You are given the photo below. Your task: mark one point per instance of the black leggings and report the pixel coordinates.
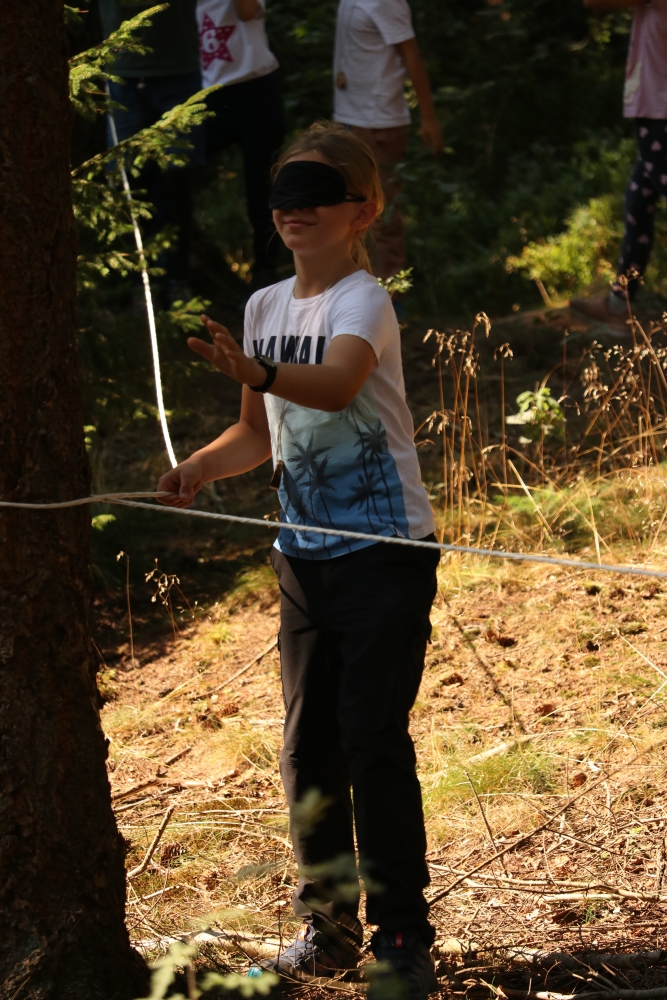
(647, 184)
(251, 115)
(353, 637)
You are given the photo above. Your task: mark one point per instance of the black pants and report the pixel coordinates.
(251, 115)
(143, 103)
(353, 637)
(647, 184)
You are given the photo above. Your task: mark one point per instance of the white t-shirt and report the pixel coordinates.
(357, 469)
(231, 50)
(368, 65)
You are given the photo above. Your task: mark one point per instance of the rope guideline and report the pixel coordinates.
(149, 303)
(133, 500)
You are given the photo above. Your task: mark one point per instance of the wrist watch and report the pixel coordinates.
(271, 369)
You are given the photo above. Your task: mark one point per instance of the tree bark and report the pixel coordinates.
(62, 880)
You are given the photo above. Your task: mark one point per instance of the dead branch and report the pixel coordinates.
(654, 994)
(600, 891)
(141, 868)
(486, 822)
(135, 788)
(252, 663)
(593, 960)
(177, 756)
(502, 748)
(543, 826)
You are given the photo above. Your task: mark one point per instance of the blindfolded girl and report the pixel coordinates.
(323, 395)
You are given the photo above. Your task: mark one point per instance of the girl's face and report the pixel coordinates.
(309, 231)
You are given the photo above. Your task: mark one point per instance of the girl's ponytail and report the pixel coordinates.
(353, 157)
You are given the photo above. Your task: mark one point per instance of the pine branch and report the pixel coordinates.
(88, 75)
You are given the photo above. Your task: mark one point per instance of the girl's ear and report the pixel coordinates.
(366, 214)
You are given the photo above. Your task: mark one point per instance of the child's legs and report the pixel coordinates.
(251, 114)
(312, 756)
(261, 140)
(648, 182)
(381, 599)
(388, 146)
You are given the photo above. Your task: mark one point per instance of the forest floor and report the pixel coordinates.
(540, 730)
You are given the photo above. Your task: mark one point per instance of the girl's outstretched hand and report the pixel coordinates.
(226, 354)
(182, 483)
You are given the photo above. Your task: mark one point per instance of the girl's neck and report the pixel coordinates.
(315, 275)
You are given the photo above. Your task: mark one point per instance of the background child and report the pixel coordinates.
(248, 108)
(645, 100)
(148, 86)
(376, 50)
(354, 614)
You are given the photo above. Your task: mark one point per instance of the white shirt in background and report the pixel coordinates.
(231, 50)
(369, 74)
(357, 469)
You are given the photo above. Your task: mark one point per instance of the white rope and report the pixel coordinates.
(129, 500)
(149, 302)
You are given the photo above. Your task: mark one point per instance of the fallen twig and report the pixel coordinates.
(152, 895)
(599, 891)
(626, 960)
(543, 826)
(135, 788)
(177, 756)
(654, 994)
(141, 868)
(502, 748)
(247, 667)
(486, 822)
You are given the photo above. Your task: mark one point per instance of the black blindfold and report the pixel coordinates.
(309, 184)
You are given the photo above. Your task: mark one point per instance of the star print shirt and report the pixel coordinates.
(356, 469)
(232, 50)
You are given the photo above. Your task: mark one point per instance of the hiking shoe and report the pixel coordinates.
(322, 949)
(404, 970)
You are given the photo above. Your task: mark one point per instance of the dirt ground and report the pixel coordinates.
(541, 712)
(540, 729)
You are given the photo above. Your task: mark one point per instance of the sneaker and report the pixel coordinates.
(405, 969)
(610, 309)
(323, 949)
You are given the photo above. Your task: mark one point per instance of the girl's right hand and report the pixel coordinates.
(182, 483)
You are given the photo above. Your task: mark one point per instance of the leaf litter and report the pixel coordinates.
(543, 779)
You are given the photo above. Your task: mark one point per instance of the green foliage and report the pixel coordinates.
(101, 207)
(88, 77)
(539, 415)
(247, 986)
(181, 955)
(399, 283)
(100, 521)
(582, 254)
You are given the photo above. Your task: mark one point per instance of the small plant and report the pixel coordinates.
(540, 416)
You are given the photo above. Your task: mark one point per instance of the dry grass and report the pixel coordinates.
(558, 672)
(584, 718)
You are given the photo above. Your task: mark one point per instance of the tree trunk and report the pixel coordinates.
(62, 882)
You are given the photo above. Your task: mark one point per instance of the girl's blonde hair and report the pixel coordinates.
(353, 157)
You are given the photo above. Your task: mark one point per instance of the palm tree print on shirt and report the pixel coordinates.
(339, 473)
(363, 494)
(372, 443)
(310, 475)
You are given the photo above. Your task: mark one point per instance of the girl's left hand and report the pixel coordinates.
(226, 354)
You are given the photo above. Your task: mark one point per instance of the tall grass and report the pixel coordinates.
(584, 466)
